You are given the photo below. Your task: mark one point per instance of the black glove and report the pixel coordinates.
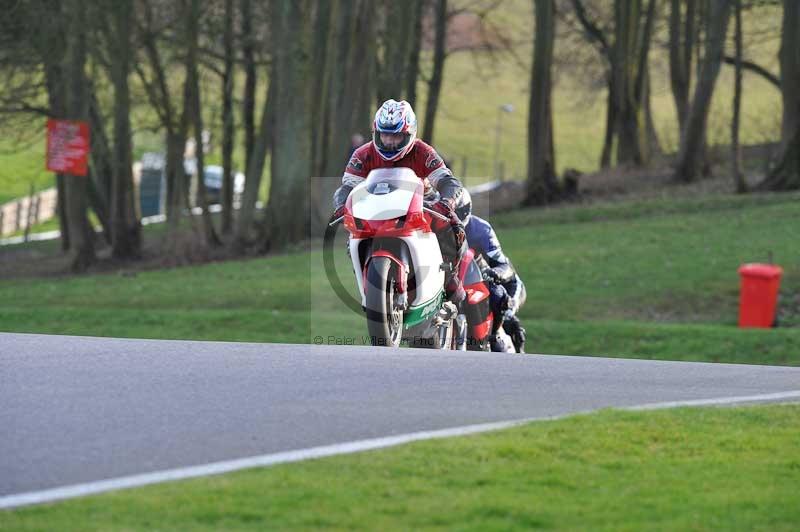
(489, 274)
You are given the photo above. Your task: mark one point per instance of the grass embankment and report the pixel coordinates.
(686, 469)
(22, 165)
(653, 279)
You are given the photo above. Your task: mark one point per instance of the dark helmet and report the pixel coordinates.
(463, 206)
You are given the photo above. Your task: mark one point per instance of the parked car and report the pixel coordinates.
(213, 180)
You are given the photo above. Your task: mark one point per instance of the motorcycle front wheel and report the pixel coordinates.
(384, 321)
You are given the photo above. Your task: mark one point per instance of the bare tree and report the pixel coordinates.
(631, 80)
(228, 137)
(125, 228)
(690, 156)
(624, 43)
(542, 186)
(736, 152)
(435, 84)
(682, 19)
(193, 82)
(257, 142)
(415, 43)
(77, 108)
(343, 92)
(173, 112)
(786, 175)
(249, 91)
(291, 150)
(255, 169)
(100, 167)
(396, 39)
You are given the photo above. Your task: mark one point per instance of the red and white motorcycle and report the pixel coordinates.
(399, 268)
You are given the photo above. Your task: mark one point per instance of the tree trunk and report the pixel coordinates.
(255, 170)
(542, 182)
(398, 20)
(690, 156)
(55, 83)
(346, 100)
(174, 120)
(322, 73)
(412, 72)
(125, 229)
(435, 84)
(101, 168)
(99, 205)
(361, 70)
(61, 211)
(789, 56)
(631, 49)
(786, 176)
(227, 121)
(80, 232)
(653, 144)
(210, 234)
(338, 109)
(291, 158)
(611, 120)
(736, 153)
(249, 96)
(175, 174)
(681, 46)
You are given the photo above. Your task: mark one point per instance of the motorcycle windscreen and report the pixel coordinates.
(387, 193)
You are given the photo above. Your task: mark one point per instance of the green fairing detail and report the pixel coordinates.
(420, 313)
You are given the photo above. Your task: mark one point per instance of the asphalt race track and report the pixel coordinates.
(75, 410)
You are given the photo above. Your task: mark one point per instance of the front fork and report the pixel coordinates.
(395, 251)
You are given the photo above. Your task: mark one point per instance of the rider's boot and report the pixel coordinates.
(453, 246)
(454, 290)
(516, 331)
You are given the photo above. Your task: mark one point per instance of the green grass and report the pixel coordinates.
(22, 164)
(647, 279)
(686, 469)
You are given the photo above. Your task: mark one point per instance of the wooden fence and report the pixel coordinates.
(21, 214)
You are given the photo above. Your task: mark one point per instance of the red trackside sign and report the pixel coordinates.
(67, 147)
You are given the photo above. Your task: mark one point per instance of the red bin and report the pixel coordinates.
(759, 294)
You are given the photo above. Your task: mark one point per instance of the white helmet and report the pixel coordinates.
(395, 117)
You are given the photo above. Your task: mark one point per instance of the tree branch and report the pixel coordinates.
(757, 69)
(592, 30)
(25, 108)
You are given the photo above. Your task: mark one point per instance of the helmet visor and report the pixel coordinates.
(390, 143)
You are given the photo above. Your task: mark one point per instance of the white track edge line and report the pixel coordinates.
(228, 466)
(719, 401)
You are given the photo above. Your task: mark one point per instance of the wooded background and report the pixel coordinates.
(295, 79)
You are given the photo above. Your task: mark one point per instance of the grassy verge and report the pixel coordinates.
(631, 280)
(22, 164)
(697, 469)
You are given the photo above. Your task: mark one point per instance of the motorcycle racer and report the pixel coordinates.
(507, 292)
(395, 144)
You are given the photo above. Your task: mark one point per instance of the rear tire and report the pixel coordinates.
(384, 322)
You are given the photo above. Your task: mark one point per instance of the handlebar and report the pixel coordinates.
(436, 214)
(432, 212)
